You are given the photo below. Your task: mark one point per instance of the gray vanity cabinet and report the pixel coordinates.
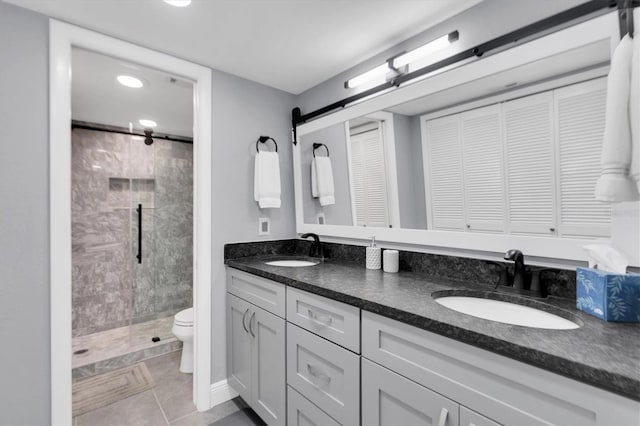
(388, 399)
(256, 345)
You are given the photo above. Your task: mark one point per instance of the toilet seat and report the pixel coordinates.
(184, 318)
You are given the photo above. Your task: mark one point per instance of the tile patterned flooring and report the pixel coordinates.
(168, 403)
(119, 347)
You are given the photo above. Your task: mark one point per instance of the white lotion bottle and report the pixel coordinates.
(374, 255)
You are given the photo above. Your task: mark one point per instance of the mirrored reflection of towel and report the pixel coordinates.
(322, 181)
(266, 184)
(615, 185)
(634, 108)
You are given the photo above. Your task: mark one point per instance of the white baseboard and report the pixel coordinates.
(221, 392)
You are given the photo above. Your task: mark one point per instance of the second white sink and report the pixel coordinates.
(291, 263)
(506, 312)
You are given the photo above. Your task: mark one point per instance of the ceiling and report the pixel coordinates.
(97, 97)
(291, 45)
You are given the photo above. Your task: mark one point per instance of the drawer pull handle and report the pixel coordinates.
(253, 315)
(317, 374)
(443, 417)
(244, 317)
(324, 320)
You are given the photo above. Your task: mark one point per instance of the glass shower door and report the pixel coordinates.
(162, 236)
(143, 242)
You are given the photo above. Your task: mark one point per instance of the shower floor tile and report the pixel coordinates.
(122, 346)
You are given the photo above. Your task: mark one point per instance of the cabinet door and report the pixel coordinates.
(530, 164)
(483, 165)
(471, 418)
(390, 399)
(580, 111)
(444, 184)
(239, 346)
(269, 384)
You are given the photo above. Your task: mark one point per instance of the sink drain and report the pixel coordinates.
(81, 351)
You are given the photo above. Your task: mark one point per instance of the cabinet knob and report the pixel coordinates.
(468, 226)
(552, 229)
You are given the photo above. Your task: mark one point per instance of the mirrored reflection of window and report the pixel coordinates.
(367, 173)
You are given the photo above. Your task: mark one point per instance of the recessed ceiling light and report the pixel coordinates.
(129, 81)
(147, 123)
(178, 3)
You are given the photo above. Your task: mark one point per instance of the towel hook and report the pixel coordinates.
(625, 16)
(264, 139)
(318, 145)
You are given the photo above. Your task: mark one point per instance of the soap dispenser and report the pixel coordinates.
(374, 255)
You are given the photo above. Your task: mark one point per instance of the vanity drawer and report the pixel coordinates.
(327, 318)
(301, 412)
(266, 294)
(325, 373)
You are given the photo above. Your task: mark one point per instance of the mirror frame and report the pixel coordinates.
(562, 251)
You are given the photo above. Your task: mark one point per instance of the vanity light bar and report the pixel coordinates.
(377, 75)
(381, 73)
(425, 50)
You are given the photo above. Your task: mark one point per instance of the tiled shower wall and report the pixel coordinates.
(111, 174)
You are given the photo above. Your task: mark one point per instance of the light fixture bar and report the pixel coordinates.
(425, 50)
(375, 75)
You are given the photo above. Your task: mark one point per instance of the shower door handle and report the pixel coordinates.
(139, 256)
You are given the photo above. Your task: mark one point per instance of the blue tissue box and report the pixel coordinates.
(608, 296)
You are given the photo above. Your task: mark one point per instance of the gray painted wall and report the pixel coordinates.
(481, 23)
(335, 139)
(410, 209)
(420, 213)
(24, 220)
(242, 111)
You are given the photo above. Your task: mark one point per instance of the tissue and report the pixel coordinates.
(606, 258)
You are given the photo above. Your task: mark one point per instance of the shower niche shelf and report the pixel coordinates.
(126, 193)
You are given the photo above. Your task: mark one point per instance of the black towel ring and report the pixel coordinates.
(319, 145)
(264, 139)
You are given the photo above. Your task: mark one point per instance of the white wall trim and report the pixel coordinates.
(61, 39)
(221, 392)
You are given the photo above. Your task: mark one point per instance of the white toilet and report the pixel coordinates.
(183, 330)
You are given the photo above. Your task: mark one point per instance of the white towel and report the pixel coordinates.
(266, 184)
(634, 110)
(615, 185)
(322, 181)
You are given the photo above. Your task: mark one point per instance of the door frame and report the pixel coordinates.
(62, 37)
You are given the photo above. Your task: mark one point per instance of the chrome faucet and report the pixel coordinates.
(316, 249)
(518, 273)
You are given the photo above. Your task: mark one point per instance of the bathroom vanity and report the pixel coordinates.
(366, 347)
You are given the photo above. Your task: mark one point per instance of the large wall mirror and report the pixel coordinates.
(498, 153)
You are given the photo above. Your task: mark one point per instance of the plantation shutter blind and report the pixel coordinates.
(580, 115)
(530, 164)
(482, 154)
(445, 209)
(369, 178)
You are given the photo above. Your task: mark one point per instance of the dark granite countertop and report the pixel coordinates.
(599, 353)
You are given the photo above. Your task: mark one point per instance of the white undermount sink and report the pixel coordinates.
(506, 312)
(291, 263)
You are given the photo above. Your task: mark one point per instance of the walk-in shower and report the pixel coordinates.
(132, 214)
